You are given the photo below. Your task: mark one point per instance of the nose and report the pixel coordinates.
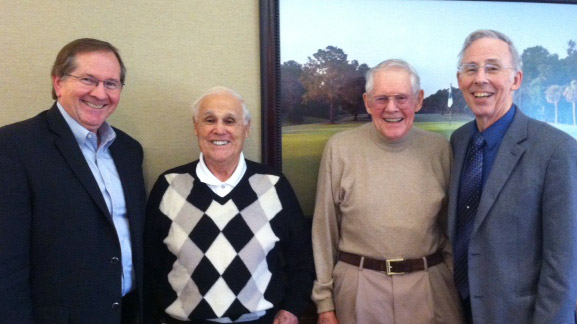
(391, 106)
(99, 91)
(481, 76)
(219, 127)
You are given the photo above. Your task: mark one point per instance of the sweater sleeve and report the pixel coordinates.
(325, 234)
(297, 252)
(152, 254)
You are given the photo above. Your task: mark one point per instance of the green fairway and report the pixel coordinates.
(302, 148)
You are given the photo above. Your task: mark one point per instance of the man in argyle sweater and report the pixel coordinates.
(226, 240)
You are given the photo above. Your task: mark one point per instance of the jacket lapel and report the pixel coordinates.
(507, 158)
(66, 143)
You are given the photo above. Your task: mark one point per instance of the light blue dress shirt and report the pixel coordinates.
(106, 175)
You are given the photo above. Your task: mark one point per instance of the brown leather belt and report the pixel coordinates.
(393, 266)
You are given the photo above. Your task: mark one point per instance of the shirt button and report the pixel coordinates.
(114, 260)
(115, 306)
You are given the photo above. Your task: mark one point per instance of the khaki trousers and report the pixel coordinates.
(364, 296)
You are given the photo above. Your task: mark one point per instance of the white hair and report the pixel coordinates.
(393, 64)
(221, 89)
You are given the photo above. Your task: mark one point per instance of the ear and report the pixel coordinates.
(420, 98)
(195, 125)
(247, 130)
(366, 100)
(57, 84)
(517, 80)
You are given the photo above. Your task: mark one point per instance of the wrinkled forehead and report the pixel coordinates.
(487, 50)
(221, 104)
(392, 81)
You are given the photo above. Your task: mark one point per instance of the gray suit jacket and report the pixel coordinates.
(523, 248)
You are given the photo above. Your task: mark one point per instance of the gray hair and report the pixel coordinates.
(66, 63)
(488, 33)
(389, 65)
(216, 90)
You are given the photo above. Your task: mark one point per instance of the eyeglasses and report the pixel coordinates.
(93, 82)
(471, 69)
(399, 99)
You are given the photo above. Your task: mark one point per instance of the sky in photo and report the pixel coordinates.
(426, 33)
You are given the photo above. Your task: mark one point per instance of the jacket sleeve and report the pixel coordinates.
(15, 227)
(557, 286)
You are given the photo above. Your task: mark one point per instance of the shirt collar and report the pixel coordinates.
(106, 133)
(206, 176)
(495, 133)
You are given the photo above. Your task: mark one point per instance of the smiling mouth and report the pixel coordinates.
(91, 105)
(220, 143)
(393, 120)
(481, 94)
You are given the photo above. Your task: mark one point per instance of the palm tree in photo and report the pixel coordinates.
(570, 95)
(553, 95)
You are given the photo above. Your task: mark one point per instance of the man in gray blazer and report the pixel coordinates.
(513, 198)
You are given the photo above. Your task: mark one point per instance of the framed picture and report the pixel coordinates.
(315, 53)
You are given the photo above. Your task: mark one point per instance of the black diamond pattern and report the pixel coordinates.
(204, 233)
(236, 310)
(203, 310)
(236, 275)
(205, 275)
(237, 232)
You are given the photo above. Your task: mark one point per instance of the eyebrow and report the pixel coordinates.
(211, 113)
(88, 75)
(486, 61)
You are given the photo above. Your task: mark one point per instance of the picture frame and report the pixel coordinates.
(272, 43)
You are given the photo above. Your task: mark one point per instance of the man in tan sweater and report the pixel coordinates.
(381, 196)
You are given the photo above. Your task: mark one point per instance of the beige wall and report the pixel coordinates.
(173, 50)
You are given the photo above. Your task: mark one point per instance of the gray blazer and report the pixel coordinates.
(523, 248)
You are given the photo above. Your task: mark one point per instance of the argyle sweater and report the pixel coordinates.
(227, 258)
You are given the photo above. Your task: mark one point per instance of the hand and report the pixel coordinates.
(285, 317)
(328, 318)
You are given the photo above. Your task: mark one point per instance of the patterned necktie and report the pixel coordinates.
(469, 196)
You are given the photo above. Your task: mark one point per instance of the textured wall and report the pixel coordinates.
(173, 50)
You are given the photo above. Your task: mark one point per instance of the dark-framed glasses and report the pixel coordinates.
(471, 69)
(94, 82)
(399, 99)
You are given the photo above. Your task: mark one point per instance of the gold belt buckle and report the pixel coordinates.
(389, 266)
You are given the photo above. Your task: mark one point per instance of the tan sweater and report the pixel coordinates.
(381, 200)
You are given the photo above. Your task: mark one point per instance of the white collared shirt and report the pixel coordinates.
(218, 187)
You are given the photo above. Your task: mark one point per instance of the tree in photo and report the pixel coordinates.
(570, 94)
(325, 76)
(352, 92)
(292, 91)
(553, 95)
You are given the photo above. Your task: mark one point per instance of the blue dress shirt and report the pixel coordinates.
(493, 138)
(106, 175)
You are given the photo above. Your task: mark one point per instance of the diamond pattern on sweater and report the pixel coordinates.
(220, 297)
(221, 252)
